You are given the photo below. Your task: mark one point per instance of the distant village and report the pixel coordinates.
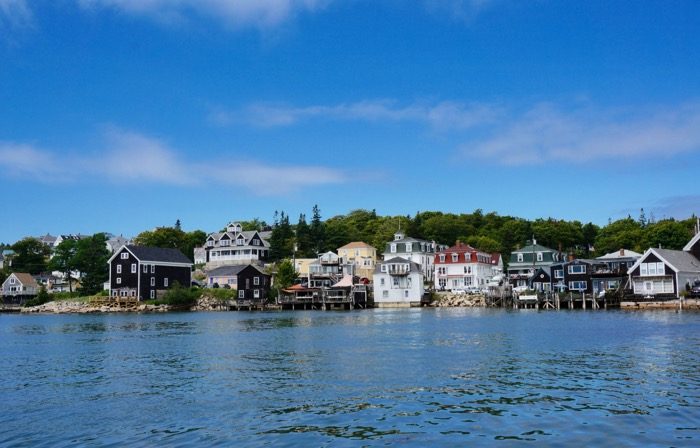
(406, 272)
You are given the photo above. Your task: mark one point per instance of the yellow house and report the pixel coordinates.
(301, 266)
(362, 256)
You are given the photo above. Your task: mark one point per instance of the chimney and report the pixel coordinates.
(622, 252)
(572, 257)
(459, 243)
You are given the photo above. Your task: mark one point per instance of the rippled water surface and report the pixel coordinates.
(422, 377)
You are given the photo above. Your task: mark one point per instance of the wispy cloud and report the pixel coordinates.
(234, 13)
(14, 15)
(679, 207)
(130, 157)
(443, 115)
(547, 133)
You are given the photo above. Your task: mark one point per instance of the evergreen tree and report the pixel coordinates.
(91, 260)
(642, 218)
(285, 274)
(282, 239)
(303, 238)
(178, 225)
(317, 231)
(31, 256)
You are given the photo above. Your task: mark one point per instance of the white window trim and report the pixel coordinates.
(241, 294)
(119, 269)
(165, 282)
(125, 255)
(256, 280)
(134, 268)
(153, 281)
(119, 280)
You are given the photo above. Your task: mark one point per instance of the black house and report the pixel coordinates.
(250, 282)
(138, 271)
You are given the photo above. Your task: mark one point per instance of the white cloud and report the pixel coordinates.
(14, 14)
(442, 115)
(130, 157)
(236, 13)
(547, 133)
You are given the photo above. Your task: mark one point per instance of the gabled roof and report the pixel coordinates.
(231, 270)
(692, 242)
(622, 253)
(357, 245)
(534, 248)
(154, 254)
(677, 260)
(415, 267)
(24, 278)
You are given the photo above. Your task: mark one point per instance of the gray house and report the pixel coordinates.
(18, 287)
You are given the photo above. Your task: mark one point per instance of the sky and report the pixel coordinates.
(124, 115)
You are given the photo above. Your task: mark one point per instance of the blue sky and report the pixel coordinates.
(123, 115)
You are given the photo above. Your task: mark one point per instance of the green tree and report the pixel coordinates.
(64, 259)
(483, 243)
(286, 274)
(282, 239)
(303, 238)
(622, 234)
(31, 256)
(317, 231)
(668, 234)
(172, 237)
(91, 260)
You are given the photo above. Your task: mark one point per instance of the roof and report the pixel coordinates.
(678, 260)
(226, 271)
(25, 279)
(692, 242)
(682, 261)
(534, 248)
(231, 270)
(415, 267)
(345, 282)
(622, 253)
(356, 245)
(158, 254)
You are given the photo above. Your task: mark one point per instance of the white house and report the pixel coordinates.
(664, 272)
(18, 286)
(462, 266)
(398, 282)
(418, 251)
(235, 246)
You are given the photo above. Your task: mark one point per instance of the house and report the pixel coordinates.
(235, 246)
(462, 266)
(302, 267)
(542, 280)
(361, 255)
(415, 250)
(18, 287)
(526, 261)
(327, 270)
(250, 282)
(144, 272)
(48, 240)
(398, 282)
(665, 272)
(200, 255)
(115, 242)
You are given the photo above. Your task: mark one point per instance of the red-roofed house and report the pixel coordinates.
(461, 266)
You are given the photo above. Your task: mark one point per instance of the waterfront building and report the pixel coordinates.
(235, 246)
(146, 272)
(327, 270)
(664, 273)
(526, 261)
(18, 287)
(462, 266)
(418, 251)
(362, 256)
(251, 283)
(398, 282)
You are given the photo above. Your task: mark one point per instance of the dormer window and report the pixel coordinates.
(455, 257)
(409, 247)
(210, 243)
(539, 256)
(239, 242)
(442, 258)
(520, 258)
(392, 248)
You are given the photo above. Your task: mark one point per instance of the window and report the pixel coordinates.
(520, 258)
(405, 293)
(225, 242)
(578, 285)
(153, 269)
(393, 248)
(241, 294)
(145, 268)
(256, 293)
(385, 294)
(442, 258)
(396, 281)
(125, 255)
(210, 243)
(12, 280)
(153, 281)
(381, 282)
(383, 268)
(119, 269)
(409, 247)
(577, 269)
(539, 256)
(660, 269)
(239, 242)
(153, 294)
(454, 258)
(134, 268)
(256, 280)
(558, 273)
(165, 282)
(119, 280)
(643, 268)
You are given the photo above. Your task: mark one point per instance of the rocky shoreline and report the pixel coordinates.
(459, 300)
(205, 303)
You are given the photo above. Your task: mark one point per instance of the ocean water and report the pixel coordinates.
(417, 377)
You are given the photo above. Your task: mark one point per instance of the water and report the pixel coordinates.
(421, 377)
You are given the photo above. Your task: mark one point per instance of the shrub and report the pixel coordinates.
(179, 297)
(41, 298)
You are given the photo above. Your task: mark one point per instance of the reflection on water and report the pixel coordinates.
(417, 377)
